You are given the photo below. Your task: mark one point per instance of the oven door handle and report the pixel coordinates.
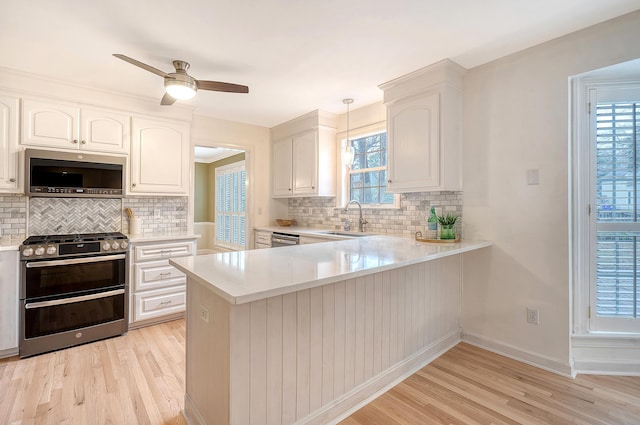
(81, 298)
(69, 261)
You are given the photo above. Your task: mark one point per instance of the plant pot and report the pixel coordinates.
(447, 231)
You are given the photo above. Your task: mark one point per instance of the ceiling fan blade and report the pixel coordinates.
(219, 86)
(167, 100)
(141, 65)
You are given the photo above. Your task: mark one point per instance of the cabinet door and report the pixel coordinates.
(282, 171)
(10, 180)
(49, 124)
(305, 163)
(159, 157)
(9, 301)
(414, 144)
(105, 131)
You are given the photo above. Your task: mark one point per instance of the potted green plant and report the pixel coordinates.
(447, 226)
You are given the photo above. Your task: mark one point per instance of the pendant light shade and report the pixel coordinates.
(348, 154)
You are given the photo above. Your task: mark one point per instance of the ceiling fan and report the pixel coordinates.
(181, 86)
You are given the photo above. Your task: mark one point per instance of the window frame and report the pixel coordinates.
(344, 174)
(582, 213)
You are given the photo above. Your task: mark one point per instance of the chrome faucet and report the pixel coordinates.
(361, 221)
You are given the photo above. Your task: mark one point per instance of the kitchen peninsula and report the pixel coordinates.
(303, 334)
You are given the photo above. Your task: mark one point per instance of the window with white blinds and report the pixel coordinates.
(230, 206)
(616, 168)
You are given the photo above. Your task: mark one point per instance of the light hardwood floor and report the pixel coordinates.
(134, 379)
(468, 385)
(139, 379)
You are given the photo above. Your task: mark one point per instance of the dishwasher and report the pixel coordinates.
(284, 239)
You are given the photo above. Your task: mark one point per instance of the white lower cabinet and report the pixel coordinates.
(158, 290)
(262, 239)
(9, 303)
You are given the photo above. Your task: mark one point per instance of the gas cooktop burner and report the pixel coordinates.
(75, 237)
(60, 246)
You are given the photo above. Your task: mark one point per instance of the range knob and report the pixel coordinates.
(106, 246)
(124, 244)
(51, 250)
(39, 250)
(27, 252)
(115, 245)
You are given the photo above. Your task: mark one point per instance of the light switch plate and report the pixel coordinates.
(533, 177)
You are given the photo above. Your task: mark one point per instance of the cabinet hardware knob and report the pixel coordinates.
(75, 141)
(84, 142)
(289, 189)
(388, 181)
(165, 303)
(133, 184)
(12, 180)
(313, 187)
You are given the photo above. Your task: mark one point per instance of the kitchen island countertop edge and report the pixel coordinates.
(244, 276)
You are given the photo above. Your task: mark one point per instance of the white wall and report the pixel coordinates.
(517, 118)
(255, 141)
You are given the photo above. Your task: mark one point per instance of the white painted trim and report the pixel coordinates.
(382, 383)
(8, 353)
(197, 419)
(538, 360)
(607, 354)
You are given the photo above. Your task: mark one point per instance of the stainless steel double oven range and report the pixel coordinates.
(74, 289)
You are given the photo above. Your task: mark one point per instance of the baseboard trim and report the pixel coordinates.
(362, 395)
(191, 413)
(8, 353)
(534, 359)
(606, 354)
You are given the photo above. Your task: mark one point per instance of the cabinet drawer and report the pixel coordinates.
(166, 250)
(157, 274)
(148, 305)
(263, 238)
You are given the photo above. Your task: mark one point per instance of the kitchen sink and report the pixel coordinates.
(347, 234)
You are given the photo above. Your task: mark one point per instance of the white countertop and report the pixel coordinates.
(160, 236)
(245, 276)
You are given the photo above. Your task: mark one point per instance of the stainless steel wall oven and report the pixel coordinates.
(74, 289)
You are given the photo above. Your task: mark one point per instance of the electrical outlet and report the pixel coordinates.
(532, 316)
(204, 314)
(157, 213)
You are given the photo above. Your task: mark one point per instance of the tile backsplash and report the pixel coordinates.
(13, 216)
(52, 216)
(160, 214)
(21, 216)
(405, 221)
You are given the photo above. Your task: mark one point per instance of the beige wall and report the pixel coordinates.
(516, 118)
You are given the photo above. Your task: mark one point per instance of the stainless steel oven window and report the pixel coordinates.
(50, 278)
(54, 316)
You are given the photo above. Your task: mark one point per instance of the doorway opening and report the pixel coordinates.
(219, 199)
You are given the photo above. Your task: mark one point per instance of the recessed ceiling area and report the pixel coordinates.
(294, 56)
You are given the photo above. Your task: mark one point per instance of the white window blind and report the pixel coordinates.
(230, 206)
(617, 249)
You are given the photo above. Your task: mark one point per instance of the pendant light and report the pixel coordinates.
(348, 154)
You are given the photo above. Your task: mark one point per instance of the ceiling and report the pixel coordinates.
(295, 56)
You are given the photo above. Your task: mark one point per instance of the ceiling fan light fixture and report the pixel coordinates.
(181, 90)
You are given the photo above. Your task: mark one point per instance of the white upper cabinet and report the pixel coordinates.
(282, 168)
(304, 161)
(70, 126)
(424, 122)
(160, 155)
(10, 176)
(105, 131)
